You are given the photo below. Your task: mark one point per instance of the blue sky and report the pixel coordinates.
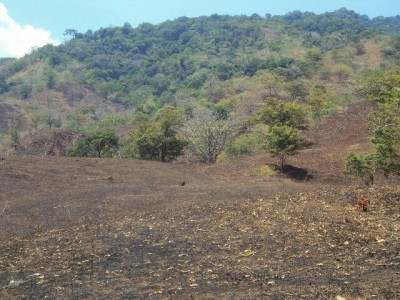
(22, 22)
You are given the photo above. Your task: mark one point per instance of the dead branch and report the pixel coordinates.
(4, 208)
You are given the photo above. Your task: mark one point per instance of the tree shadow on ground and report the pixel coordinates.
(294, 173)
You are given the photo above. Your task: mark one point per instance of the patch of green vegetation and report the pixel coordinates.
(96, 144)
(264, 172)
(383, 89)
(276, 71)
(248, 143)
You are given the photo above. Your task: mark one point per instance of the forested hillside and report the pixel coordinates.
(265, 120)
(143, 90)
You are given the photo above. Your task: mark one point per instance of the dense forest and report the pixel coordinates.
(215, 86)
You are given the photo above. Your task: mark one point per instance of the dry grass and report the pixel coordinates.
(372, 58)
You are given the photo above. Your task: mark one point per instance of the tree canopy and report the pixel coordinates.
(383, 89)
(157, 139)
(97, 144)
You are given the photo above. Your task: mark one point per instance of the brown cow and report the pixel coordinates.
(362, 203)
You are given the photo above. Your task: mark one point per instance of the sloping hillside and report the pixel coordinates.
(112, 228)
(72, 187)
(191, 62)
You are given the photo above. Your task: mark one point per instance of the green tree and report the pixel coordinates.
(297, 90)
(15, 139)
(272, 82)
(144, 142)
(319, 102)
(248, 143)
(314, 54)
(34, 119)
(282, 141)
(52, 119)
(71, 32)
(342, 72)
(393, 51)
(386, 136)
(97, 144)
(111, 120)
(169, 120)
(277, 113)
(383, 89)
(50, 77)
(25, 90)
(361, 165)
(158, 139)
(336, 55)
(4, 87)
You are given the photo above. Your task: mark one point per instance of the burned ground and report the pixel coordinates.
(75, 228)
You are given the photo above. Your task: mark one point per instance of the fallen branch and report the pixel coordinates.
(4, 209)
(387, 265)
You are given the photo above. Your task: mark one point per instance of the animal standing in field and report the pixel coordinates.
(363, 203)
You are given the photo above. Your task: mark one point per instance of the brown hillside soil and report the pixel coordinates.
(121, 229)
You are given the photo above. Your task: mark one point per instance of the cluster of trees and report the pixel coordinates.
(383, 90)
(120, 61)
(129, 65)
(157, 139)
(335, 29)
(205, 134)
(177, 80)
(163, 138)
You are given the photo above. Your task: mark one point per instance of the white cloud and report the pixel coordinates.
(17, 40)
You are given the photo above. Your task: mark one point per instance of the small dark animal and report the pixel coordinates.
(182, 183)
(363, 203)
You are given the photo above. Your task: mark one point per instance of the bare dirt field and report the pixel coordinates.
(73, 228)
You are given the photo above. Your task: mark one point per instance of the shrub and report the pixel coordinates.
(97, 144)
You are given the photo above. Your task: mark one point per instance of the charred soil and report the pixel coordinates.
(76, 228)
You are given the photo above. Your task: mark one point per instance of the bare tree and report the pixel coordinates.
(208, 135)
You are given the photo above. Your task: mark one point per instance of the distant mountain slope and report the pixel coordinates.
(117, 75)
(127, 64)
